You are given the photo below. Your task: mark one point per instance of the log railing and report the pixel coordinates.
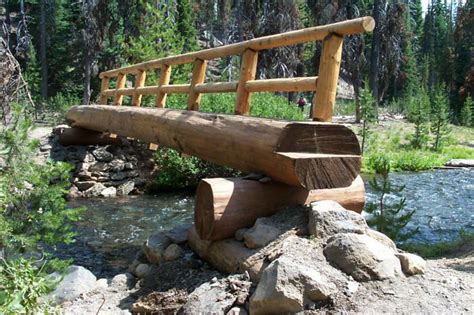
(325, 84)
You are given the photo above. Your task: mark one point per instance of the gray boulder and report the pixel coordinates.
(82, 186)
(94, 191)
(172, 252)
(328, 218)
(109, 192)
(155, 246)
(382, 238)
(286, 286)
(78, 280)
(179, 234)
(218, 296)
(102, 155)
(125, 188)
(362, 257)
(262, 233)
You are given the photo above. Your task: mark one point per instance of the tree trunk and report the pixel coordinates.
(86, 98)
(303, 154)
(375, 52)
(43, 56)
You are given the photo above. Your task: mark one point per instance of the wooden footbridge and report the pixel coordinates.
(307, 161)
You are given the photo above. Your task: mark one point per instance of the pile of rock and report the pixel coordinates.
(108, 171)
(299, 259)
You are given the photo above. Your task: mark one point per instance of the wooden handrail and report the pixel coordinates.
(331, 35)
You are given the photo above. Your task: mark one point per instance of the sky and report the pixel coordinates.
(425, 3)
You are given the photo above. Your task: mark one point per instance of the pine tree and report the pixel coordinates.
(369, 114)
(439, 117)
(185, 25)
(466, 112)
(419, 112)
(389, 219)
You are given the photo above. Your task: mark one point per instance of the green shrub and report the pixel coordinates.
(467, 118)
(390, 219)
(464, 241)
(22, 283)
(55, 107)
(33, 216)
(181, 172)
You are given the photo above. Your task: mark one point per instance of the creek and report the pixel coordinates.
(112, 230)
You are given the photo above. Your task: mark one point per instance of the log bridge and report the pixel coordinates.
(307, 161)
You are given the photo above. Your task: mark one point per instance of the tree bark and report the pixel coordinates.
(224, 205)
(43, 50)
(375, 51)
(304, 154)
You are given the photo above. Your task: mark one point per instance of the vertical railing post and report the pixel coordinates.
(330, 62)
(121, 78)
(165, 75)
(199, 75)
(104, 85)
(248, 69)
(139, 82)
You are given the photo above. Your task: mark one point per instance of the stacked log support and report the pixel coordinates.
(224, 205)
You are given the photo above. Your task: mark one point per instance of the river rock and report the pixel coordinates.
(218, 296)
(116, 165)
(84, 176)
(237, 311)
(412, 264)
(98, 167)
(73, 193)
(362, 257)
(78, 280)
(261, 234)
(82, 186)
(102, 155)
(123, 280)
(109, 192)
(286, 286)
(328, 218)
(155, 246)
(94, 191)
(179, 234)
(125, 188)
(172, 252)
(143, 270)
(239, 234)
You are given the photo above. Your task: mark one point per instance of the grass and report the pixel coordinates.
(390, 139)
(462, 244)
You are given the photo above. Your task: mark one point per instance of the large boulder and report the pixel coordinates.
(328, 218)
(286, 286)
(262, 233)
(362, 257)
(78, 280)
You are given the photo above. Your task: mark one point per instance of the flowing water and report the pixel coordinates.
(112, 230)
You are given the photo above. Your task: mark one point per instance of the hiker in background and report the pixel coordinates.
(301, 102)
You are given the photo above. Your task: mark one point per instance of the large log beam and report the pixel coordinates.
(312, 155)
(224, 205)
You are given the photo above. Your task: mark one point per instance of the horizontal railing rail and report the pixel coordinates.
(325, 84)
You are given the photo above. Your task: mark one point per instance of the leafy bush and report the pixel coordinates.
(390, 219)
(55, 107)
(180, 172)
(21, 285)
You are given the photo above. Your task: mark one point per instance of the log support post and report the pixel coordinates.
(330, 62)
(121, 78)
(104, 85)
(165, 76)
(199, 75)
(139, 82)
(248, 68)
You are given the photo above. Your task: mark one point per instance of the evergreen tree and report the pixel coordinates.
(466, 113)
(369, 114)
(439, 117)
(185, 25)
(419, 112)
(390, 219)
